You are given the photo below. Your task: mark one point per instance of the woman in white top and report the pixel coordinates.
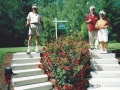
(102, 26)
(34, 20)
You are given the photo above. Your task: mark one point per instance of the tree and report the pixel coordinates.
(13, 18)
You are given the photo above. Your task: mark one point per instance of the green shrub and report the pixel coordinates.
(84, 31)
(66, 61)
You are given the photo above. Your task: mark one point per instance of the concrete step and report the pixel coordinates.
(39, 86)
(105, 56)
(25, 60)
(24, 55)
(106, 67)
(103, 88)
(29, 80)
(28, 72)
(25, 66)
(105, 82)
(104, 61)
(105, 74)
(97, 51)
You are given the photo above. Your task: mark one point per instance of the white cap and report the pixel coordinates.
(102, 12)
(92, 7)
(34, 6)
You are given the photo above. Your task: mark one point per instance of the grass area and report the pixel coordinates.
(4, 51)
(114, 46)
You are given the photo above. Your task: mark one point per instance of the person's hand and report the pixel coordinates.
(106, 26)
(96, 26)
(90, 20)
(27, 25)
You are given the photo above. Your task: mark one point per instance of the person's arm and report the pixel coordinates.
(28, 23)
(88, 20)
(41, 22)
(96, 25)
(107, 25)
(42, 25)
(28, 20)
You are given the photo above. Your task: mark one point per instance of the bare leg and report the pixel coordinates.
(105, 46)
(29, 43)
(102, 46)
(30, 40)
(37, 42)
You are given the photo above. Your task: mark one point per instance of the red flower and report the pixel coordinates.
(76, 59)
(58, 87)
(44, 67)
(81, 73)
(40, 61)
(73, 76)
(76, 62)
(48, 73)
(69, 42)
(56, 82)
(87, 66)
(49, 64)
(65, 68)
(73, 48)
(61, 53)
(59, 45)
(60, 66)
(67, 56)
(43, 48)
(49, 60)
(66, 87)
(69, 68)
(39, 66)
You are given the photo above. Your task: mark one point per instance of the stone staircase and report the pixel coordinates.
(29, 76)
(105, 74)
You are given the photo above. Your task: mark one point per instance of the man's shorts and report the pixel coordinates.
(34, 29)
(103, 35)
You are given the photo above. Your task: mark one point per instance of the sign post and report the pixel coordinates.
(60, 26)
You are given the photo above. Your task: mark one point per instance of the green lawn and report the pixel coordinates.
(114, 46)
(4, 51)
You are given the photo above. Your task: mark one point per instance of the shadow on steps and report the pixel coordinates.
(117, 54)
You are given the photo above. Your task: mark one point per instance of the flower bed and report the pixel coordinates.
(66, 62)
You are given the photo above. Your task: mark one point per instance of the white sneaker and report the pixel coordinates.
(101, 52)
(96, 47)
(105, 52)
(37, 51)
(28, 51)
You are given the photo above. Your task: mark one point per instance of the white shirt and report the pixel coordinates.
(34, 17)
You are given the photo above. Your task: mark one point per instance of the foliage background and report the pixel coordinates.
(13, 18)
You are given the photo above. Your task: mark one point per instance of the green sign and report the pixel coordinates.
(61, 27)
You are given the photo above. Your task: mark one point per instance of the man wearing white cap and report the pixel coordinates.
(91, 20)
(34, 21)
(102, 26)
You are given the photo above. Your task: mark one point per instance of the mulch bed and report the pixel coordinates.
(6, 62)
